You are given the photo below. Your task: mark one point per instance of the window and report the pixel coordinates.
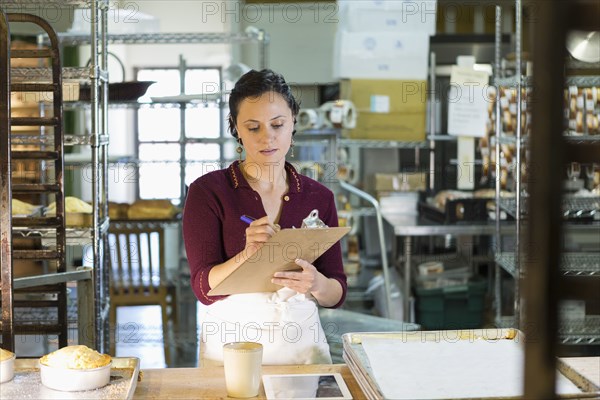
(173, 140)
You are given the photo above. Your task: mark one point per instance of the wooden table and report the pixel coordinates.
(209, 383)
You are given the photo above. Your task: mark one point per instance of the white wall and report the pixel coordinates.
(302, 37)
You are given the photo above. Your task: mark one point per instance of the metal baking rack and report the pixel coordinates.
(93, 303)
(54, 254)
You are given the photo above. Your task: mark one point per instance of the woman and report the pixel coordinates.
(264, 186)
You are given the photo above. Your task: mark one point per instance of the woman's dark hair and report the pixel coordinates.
(254, 84)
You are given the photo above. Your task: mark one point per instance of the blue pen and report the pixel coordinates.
(247, 219)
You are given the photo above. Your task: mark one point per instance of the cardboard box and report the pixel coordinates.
(397, 126)
(398, 15)
(381, 55)
(404, 181)
(387, 109)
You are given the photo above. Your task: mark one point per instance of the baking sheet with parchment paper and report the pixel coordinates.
(27, 383)
(429, 364)
(450, 369)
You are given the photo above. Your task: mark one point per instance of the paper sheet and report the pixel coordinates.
(468, 101)
(450, 369)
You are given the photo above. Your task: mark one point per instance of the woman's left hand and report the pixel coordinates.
(305, 281)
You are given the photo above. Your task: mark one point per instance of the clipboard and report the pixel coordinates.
(278, 254)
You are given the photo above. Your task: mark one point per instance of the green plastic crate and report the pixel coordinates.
(451, 307)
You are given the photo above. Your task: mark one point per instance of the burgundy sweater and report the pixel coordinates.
(214, 233)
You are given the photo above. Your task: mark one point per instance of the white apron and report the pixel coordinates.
(286, 323)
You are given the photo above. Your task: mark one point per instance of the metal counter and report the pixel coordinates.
(407, 226)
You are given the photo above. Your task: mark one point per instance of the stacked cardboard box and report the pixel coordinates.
(382, 53)
(384, 39)
(387, 109)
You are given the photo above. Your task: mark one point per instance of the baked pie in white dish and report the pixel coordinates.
(7, 365)
(75, 368)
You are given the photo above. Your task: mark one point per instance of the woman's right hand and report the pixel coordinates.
(257, 233)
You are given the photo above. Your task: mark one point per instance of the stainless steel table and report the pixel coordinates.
(409, 226)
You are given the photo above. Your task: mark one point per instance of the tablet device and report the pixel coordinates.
(327, 386)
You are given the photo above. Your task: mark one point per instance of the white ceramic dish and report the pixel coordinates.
(74, 380)
(7, 369)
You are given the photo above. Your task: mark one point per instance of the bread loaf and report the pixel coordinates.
(117, 211)
(72, 205)
(21, 208)
(152, 209)
(75, 357)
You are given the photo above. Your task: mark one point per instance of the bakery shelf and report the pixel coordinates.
(220, 140)
(583, 80)
(569, 136)
(442, 138)
(381, 144)
(63, 3)
(576, 138)
(144, 224)
(570, 332)
(79, 274)
(572, 264)
(576, 64)
(76, 236)
(574, 208)
(507, 139)
(511, 81)
(169, 38)
(45, 74)
(574, 80)
(454, 161)
(507, 262)
(573, 64)
(77, 105)
(69, 140)
(585, 331)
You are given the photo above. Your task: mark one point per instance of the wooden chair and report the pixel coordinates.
(138, 274)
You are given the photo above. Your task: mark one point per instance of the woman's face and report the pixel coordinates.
(265, 125)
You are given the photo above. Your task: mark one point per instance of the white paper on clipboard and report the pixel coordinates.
(278, 254)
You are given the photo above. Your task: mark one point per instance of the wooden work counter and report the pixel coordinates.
(209, 383)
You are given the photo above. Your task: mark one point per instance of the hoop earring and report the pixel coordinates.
(239, 149)
(292, 148)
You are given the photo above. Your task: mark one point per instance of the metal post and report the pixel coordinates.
(264, 48)
(6, 263)
(543, 250)
(407, 277)
(182, 129)
(85, 308)
(95, 142)
(103, 251)
(498, 244)
(432, 119)
(517, 170)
